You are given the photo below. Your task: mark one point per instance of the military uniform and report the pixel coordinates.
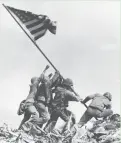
(37, 100)
(43, 98)
(100, 107)
(29, 108)
(60, 102)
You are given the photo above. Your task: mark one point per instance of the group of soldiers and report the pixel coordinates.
(48, 100)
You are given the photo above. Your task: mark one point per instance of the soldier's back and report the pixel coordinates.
(59, 96)
(99, 101)
(40, 93)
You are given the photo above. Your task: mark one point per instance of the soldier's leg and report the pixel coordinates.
(33, 120)
(51, 123)
(65, 116)
(44, 115)
(34, 114)
(73, 118)
(26, 118)
(70, 122)
(105, 113)
(85, 117)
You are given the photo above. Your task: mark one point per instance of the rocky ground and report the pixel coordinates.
(100, 131)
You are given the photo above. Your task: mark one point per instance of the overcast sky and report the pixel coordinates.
(86, 49)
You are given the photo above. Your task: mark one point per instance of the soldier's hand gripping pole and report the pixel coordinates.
(42, 74)
(75, 93)
(46, 68)
(81, 99)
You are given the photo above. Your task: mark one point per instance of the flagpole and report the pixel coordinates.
(30, 38)
(35, 44)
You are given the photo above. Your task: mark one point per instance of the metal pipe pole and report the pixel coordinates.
(30, 38)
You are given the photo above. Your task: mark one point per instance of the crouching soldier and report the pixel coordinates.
(63, 95)
(100, 107)
(27, 106)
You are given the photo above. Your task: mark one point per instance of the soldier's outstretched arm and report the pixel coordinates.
(71, 96)
(42, 76)
(88, 98)
(55, 78)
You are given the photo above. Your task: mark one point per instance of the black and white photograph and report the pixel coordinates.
(60, 71)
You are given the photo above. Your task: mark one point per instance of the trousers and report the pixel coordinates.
(93, 112)
(64, 114)
(36, 113)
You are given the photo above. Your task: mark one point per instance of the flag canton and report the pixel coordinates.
(24, 16)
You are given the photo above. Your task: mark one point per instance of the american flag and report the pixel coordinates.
(36, 24)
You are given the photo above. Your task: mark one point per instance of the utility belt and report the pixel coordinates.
(59, 107)
(96, 108)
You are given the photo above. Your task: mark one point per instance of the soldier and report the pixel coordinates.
(100, 107)
(35, 111)
(27, 106)
(63, 95)
(43, 98)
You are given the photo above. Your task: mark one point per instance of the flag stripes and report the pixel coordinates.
(29, 24)
(38, 29)
(40, 34)
(36, 24)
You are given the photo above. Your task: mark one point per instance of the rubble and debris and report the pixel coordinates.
(101, 132)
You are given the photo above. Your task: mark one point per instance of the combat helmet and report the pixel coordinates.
(108, 95)
(34, 79)
(68, 82)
